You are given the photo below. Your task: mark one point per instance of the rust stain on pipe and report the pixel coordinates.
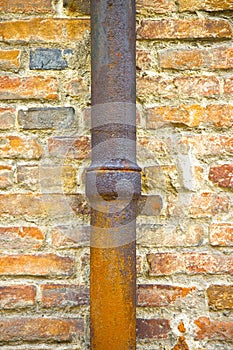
(113, 180)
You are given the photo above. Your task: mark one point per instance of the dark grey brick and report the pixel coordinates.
(44, 59)
(59, 118)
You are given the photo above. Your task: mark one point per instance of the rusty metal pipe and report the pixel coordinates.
(113, 180)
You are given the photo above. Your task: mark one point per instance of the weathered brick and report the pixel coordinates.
(37, 87)
(153, 328)
(40, 6)
(64, 295)
(182, 58)
(77, 87)
(9, 59)
(48, 179)
(170, 236)
(214, 329)
(71, 147)
(36, 265)
(143, 59)
(58, 118)
(190, 115)
(70, 236)
(6, 176)
(207, 145)
(28, 177)
(157, 6)
(150, 295)
(78, 6)
(44, 30)
(46, 59)
(189, 263)
(184, 29)
(219, 115)
(208, 204)
(221, 234)
(150, 205)
(40, 329)
(207, 5)
(17, 296)
(178, 87)
(193, 115)
(21, 237)
(228, 86)
(19, 147)
(220, 297)
(7, 118)
(222, 175)
(47, 205)
(21, 205)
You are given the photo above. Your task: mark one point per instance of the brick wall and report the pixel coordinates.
(185, 148)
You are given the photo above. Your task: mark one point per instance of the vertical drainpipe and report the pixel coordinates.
(113, 181)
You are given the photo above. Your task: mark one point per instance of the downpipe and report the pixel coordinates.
(113, 181)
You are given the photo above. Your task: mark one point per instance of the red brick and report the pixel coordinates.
(221, 234)
(7, 118)
(19, 147)
(37, 87)
(6, 176)
(208, 204)
(222, 175)
(36, 265)
(213, 58)
(189, 263)
(157, 6)
(207, 5)
(64, 295)
(9, 59)
(40, 329)
(179, 87)
(149, 295)
(41, 6)
(185, 29)
(69, 147)
(153, 328)
(21, 237)
(44, 30)
(18, 296)
(214, 329)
